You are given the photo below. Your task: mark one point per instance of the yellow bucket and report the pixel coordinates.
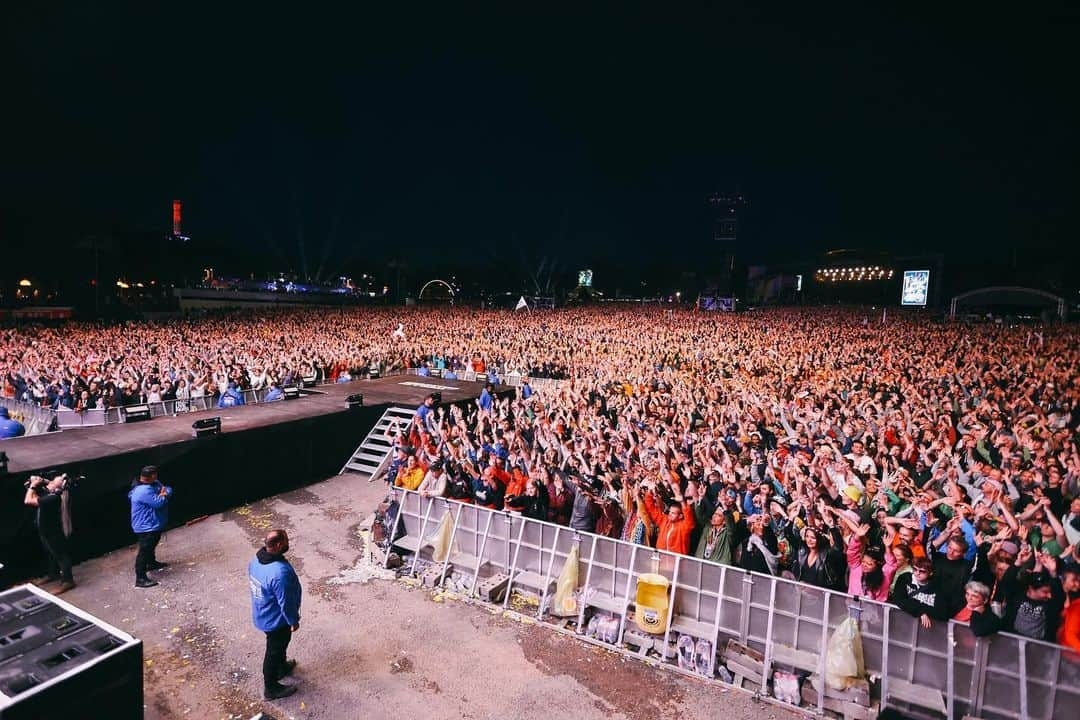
(652, 603)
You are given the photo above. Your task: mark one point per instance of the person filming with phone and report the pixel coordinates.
(149, 516)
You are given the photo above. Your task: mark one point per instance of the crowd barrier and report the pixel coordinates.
(35, 419)
(943, 671)
(511, 379)
(66, 419)
(162, 408)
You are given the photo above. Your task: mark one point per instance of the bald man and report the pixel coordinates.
(275, 610)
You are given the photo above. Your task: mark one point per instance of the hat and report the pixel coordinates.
(1010, 548)
(853, 493)
(437, 465)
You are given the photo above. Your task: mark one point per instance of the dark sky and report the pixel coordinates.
(593, 136)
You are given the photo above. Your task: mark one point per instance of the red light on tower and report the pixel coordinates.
(176, 217)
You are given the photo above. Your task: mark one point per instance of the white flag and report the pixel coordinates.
(521, 304)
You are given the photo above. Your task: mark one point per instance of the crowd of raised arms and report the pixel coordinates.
(933, 465)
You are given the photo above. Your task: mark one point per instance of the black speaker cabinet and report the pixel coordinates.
(57, 661)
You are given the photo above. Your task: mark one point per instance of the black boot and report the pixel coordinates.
(278, 691)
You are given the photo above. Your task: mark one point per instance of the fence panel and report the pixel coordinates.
(1002, 676)
(498, 542)
(35, 419)
(1001, 687)
(1066, 687)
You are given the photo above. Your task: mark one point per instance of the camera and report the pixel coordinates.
(69, 482)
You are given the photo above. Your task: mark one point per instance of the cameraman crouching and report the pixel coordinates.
(53, 518)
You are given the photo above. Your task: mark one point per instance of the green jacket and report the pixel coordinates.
(724, 549)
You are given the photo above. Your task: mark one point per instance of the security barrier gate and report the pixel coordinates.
(943, 671)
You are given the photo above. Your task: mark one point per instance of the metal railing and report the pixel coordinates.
(1003, 676)
(162, 408)
(35, 418)
(39, 419)
(511, 379)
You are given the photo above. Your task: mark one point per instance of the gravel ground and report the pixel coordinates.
(372, 647)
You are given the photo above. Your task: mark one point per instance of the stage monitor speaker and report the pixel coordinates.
(136, 413)
(356, 400)
(291, 392)
(206, 427)
(58, 661)
(308, 382)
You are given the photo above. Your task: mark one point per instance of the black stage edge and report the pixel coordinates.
(263, 450)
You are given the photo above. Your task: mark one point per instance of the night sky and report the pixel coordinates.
(301, 138)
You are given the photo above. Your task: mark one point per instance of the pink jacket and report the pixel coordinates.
(854, 559)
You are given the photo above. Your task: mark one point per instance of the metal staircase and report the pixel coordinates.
(373, 455)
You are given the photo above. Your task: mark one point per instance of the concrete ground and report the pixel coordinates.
(366, 647)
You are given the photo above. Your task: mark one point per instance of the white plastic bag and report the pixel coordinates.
(565, 602)
(844, 657)
(440, 542)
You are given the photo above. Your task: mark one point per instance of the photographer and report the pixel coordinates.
(149, 516)
(53, 519)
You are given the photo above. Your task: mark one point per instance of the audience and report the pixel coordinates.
(933, 465)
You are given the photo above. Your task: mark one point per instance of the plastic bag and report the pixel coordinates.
(440, 542)
(565, 602)
(844, 656)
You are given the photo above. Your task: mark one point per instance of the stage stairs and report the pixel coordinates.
(373, 455)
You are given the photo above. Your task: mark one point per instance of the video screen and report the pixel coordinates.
(584, 278)
(916, 287)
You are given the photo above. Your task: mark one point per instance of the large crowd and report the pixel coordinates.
(82, 366)
(931, 465)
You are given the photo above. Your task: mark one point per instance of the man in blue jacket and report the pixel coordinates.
(486, 400)
(232, 397)
(9, 428)
(149, 516)
(275, 610)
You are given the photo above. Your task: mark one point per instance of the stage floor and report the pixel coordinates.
(78, 445)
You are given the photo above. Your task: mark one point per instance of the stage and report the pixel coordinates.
(80, 445)
(262, 450)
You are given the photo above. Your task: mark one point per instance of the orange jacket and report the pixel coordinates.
(516, 486)
(672, 536)
(1069, 632)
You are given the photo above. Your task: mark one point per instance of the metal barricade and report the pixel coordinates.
(34, 418)
(66, 419)
(940, 671)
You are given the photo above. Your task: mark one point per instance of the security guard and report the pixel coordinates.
(275, 610)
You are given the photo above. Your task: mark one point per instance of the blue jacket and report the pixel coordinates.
(9, 428)
(230, 398)
(486, 401)
(275, 592)
(274, 394)
(149, 511)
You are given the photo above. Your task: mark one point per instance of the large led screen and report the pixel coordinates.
(916, 287)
